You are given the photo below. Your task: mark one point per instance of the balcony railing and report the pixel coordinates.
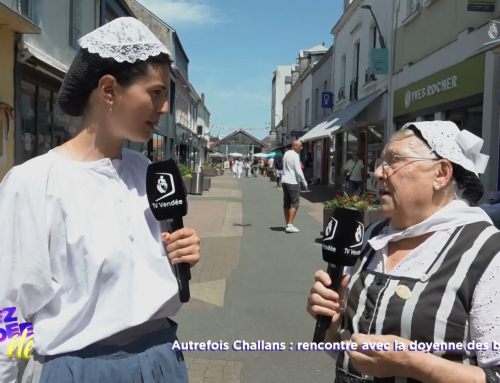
(354, 90)
(369, 77)
(341, 94)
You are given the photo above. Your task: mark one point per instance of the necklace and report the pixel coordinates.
(67, 148)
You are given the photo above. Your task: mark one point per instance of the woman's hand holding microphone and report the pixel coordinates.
(324, 301)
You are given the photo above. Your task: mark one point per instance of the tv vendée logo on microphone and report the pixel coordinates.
(12, 329)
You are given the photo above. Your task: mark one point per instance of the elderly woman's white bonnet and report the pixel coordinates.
(460, 147)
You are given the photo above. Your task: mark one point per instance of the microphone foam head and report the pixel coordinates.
(343, 237)
(166, 190)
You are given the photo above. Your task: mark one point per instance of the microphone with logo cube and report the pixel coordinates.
(168, 201)
(341, 247)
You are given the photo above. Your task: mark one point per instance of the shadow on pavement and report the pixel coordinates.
(320, 193)
(277, 228)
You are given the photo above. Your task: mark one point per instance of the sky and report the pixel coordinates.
(234, 46)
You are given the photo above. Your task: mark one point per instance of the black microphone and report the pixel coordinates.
(168, 201)
(342, 242)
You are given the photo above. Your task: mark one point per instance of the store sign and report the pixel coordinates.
(481, 6)
(459, 81)
(379, 61)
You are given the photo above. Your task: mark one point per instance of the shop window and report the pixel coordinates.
(470, 118)
(44, 120)
(43, 125)
(75, 22)
(28, 122)
(157, 148)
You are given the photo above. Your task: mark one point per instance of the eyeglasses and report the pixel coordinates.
(388, 163)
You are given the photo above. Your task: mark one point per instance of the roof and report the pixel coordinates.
(242, 132)
(316, 49)
(153, 15)
(324, 59)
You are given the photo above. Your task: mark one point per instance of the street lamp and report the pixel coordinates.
(381, 39)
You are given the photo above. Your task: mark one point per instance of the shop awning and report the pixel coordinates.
(337, 119)
(16, 21)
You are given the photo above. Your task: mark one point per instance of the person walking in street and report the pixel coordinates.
(239, 167)
(231, 164)
(255, 167)
(82, 254)
(235, 167)
(292, 179)
(247, 168)
(427, 273)
(309, 167)
(353, 173)
(278, 164)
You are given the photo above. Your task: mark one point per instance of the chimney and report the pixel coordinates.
(323, 43)
(203, 98)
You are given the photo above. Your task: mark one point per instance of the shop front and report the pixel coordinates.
(12, 24)
(359, 127)
(453, 94)
(40, 123)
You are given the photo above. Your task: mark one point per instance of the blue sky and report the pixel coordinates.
(234, 47)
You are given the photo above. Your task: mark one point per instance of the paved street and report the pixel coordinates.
(252, 284)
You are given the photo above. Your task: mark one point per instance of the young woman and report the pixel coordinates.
(83, 258)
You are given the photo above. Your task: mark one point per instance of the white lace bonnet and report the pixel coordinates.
(447, 140)
(123, 39)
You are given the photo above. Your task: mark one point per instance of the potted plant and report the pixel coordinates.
(186, 176)
(207, 182)
(362, 202)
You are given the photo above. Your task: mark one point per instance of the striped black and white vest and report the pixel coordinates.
(439, 303)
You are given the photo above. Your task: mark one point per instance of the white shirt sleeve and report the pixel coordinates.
(485, 314)
(26, 281)
(298, 170)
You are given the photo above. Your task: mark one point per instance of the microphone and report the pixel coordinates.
(342, 242)
(168, 201)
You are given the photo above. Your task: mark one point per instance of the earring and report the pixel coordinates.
(110, 104)
(436, 187)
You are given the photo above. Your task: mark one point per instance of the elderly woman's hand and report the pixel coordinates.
(324, 301)
(381, 364)
(183, 246)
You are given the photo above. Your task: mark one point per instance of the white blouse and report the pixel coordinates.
(485, 312)
(80, 252)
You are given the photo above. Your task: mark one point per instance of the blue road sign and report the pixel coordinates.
(327, 100)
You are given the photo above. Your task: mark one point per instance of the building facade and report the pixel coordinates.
(280, 87)
(450, 77)
(359, 120)
(15, 24)
(41, 64)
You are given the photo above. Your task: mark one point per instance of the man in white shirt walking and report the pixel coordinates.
(293, 176)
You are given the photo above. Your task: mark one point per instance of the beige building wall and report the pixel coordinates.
(421, 33)
(7, 96)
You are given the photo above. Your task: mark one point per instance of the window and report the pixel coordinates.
(307, 113)
(317, 103)
(200, 130)
(341, 94)
(325, 89)
(43, 125)
(110, 14)
(414, 6)
(373, 32)
(26, 8)
(355, 67)
(75, 22)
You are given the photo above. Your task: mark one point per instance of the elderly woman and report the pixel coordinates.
(426, 273)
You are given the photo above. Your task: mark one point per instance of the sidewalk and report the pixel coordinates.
(252, 284)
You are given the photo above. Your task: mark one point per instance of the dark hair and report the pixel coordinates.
(88, 68)
(469, 185)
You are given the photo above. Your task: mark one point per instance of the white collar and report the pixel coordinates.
(456, 213)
